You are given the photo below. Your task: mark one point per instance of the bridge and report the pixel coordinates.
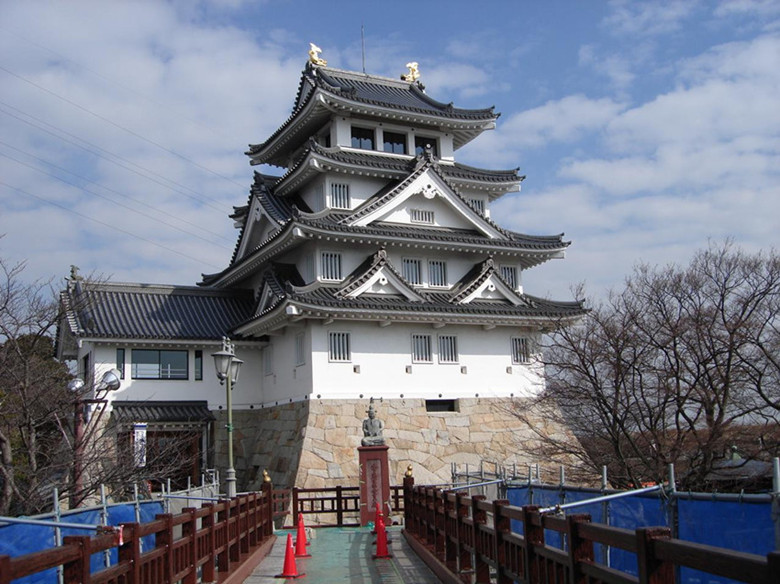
(462, 538)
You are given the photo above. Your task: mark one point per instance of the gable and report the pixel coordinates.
(425, 201)
(492, 288)
(259, 227)
(383, 282)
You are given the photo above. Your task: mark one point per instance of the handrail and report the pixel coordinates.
(456, 533)
(214, 538)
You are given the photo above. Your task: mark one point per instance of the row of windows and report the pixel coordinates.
(339, 351)
(340, 199)
(159, 364)
(411, 269)
(392, 142)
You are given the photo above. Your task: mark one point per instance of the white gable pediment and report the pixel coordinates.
(258, 228)
(265, 299)
(426, 193)
(384, 282)
(493, 288)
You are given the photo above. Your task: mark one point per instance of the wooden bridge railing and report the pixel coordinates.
(465, 538)
(215, 539)
(340, 503)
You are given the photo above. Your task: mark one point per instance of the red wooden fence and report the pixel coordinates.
(465, 538)
(216, 541)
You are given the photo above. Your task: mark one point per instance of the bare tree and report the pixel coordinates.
(677, 367)
(37, 412)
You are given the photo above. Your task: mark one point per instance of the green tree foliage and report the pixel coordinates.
(678, 367)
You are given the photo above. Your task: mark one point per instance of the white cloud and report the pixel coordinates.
(558, 121)
(647, 18)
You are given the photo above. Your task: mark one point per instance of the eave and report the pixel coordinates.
(292, 311)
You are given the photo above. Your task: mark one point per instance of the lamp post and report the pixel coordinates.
(228, 366)
(109, 382)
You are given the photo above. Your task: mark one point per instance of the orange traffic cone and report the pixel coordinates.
(381, 542)
(289, 570)
(300, 540)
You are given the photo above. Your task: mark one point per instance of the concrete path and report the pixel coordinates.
(340, 555)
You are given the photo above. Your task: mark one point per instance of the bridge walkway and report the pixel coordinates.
(344, 554)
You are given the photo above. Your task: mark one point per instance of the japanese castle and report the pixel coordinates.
(368, 267)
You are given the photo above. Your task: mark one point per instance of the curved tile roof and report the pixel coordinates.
(347, 89)
(150, 311)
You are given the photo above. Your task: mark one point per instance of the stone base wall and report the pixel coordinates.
(314, 443)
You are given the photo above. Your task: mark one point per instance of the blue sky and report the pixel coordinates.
(645, 129)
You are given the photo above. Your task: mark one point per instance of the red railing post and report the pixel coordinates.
(164, 539)
(439, 518)
(295, 503)
(222, 527)
(479, 519)
(190, 529)
(234, 531)
(5, 569)
(501, 526)
(651, 569)
(130, 551)
(339, 507)
(208, 573)
(408, 496)
(255, 520)
(243, 524)
(77, 571)
(268, 520)
(580, 549)
(534, 537)
(450, 533)
(464, 556)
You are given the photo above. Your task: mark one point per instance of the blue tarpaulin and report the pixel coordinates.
(737, 525)
(19, 540)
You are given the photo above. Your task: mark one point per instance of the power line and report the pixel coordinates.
(119, 126)
(112, 227)
(119, 203)
(111, 81)
(96, 152)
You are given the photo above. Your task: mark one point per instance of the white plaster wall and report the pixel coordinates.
(360, 187)
(288, 380)
(381, 355)
(247, 391)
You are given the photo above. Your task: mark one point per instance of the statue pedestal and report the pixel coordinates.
(374, 482)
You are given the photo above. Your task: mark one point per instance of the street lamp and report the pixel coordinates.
(228, 366)
(109, 382)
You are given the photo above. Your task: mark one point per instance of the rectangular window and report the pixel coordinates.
(441, 405)
(338, 348)
(339, 196)
(448, 349)
(120, 362)
(300, 356)
(521, 352)
(198, 365)
(363, 138)
(412, 271)
(421, 349)
(421, 216)
(331, 265)
(268, 360)
(395, 143)
(423, 142)
(479, 205)
(509, 273)
(437, 273)
(154, 364)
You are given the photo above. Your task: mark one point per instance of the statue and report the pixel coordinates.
(314, 56)
(372, 428)
(414, 72)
